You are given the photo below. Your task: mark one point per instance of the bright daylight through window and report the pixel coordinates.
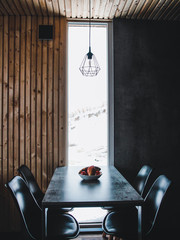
(87, 97)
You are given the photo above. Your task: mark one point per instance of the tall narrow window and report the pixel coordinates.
(90, 106)
(87, 97)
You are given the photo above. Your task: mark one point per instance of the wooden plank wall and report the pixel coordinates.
(32, 103)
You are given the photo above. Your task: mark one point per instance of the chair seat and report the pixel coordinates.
(59, 209)
(119, 208)
(34, 187)
(64, 210)
(68, 226)
(122, 223)
(139, 183)
(59, 225)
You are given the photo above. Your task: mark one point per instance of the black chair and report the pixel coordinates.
(139, 182)
(124, 224)
(34, 187)
(59, 225)
(141, 179)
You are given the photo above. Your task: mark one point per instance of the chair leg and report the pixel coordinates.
(104, 235)
(110, 237)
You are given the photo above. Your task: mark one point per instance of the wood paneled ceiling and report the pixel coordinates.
(101, 9)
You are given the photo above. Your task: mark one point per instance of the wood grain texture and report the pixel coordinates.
(17, 95)
(100, 9)
(11, 98)
(31, 86)
(34, 66)
(50, 107)
(22, 90)
(1, 97)
(44, 109)
(55, 92)
(28, 93)
(62, 90)
(4, 131)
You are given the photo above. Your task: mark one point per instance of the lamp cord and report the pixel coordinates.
(89, 25)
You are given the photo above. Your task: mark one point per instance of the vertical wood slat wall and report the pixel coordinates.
(32, 103)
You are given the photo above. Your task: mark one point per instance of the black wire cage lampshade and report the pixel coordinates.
(89, 66)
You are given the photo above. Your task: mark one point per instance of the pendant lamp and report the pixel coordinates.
(89, 66)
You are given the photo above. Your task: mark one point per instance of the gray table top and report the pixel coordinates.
(67, 189)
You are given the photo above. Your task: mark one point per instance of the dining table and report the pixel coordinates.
(68, 189)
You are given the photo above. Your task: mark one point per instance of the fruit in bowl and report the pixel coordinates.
(90, 172)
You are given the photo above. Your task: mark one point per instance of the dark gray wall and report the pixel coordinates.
(147, 101)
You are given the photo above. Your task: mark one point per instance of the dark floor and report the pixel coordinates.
(9, 235)
(84, 236)
(16, 236)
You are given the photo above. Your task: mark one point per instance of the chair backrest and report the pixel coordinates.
(31, 182)
(153, 201)
(27, 206)
(141, 179)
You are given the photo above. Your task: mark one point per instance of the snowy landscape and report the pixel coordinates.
(88, 136)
